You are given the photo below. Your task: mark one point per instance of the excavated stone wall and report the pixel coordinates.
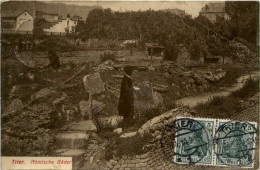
(159, 151)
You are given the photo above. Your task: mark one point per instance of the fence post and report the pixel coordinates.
(90, 106)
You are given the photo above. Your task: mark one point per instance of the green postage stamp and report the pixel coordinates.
(235, 143)
(214, 142)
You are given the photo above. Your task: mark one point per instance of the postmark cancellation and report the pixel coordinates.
(214, 142)
(235, 143)
(193, 141)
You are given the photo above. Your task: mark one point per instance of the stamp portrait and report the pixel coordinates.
(193, 141)
(235, 143)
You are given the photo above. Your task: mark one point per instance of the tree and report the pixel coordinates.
(244, 18)
(38, 30)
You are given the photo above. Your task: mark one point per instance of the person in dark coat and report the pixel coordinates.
(54, 59)
(126, 100)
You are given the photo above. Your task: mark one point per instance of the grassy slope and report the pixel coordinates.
(227, 107)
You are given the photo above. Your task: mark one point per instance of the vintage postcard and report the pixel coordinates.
(129, 84)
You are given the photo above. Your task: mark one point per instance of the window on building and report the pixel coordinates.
(7, 24)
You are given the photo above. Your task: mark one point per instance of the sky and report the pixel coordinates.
(191, 7)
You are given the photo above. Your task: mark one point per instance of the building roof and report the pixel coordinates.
(40, 12)
(12, 13)
(76, 17)
(218, 7)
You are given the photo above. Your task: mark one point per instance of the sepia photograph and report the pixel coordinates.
(89, 85)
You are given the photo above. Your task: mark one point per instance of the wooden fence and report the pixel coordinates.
(16, 32)
(31, 32)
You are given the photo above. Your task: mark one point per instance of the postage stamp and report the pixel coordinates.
(194, 141)
(214, 142)
(235, 143)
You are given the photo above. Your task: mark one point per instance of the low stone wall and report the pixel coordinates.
(159, 151)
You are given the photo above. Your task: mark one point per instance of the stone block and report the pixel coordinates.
(42, 93)
(93, 83)
(110, 121)
(121, 161)
(124, 165)
(135, 160)
(128, 161)
(73, 140)
(144, 160)
(124, 157)
(109, 165)
(138, 156)
(144, 155)
(83, 126)
(131, 165)
(14, 106)
(143, 164)
(113, 162)
(117, 166)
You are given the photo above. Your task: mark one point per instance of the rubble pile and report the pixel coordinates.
(50, 112)
(29, 126)
(38, 60)
(107, 65)
(30, 114)
(197, 79)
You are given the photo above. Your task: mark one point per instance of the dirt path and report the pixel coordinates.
(202, 98)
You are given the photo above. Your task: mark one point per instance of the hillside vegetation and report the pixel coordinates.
(173, 31)
(160, 27)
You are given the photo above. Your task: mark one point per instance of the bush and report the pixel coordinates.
(250, 88)
(58, 44)
(232, 74)
(251, 46)
(38, 33)
(218, 107)
(226, 107)
(171, 53)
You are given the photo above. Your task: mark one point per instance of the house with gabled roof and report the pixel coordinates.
(16, 21)
(62, 26)
(214, 11)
